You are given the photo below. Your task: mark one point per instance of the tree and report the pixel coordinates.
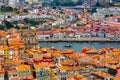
(8, 24)
(25, 10)
(2, 27)
(8, 9)
(97, 4)
(15, 9)
(93, 10)
(2, 8)
(116, 0)
(26, 20)
(17, 12)
(65, 3)
(80, 2)
(15, 22)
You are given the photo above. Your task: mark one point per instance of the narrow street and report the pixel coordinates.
(33, 71)
(6, 75)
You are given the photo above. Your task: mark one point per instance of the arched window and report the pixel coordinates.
(28, 41)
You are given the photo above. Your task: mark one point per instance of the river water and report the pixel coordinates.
(77, 46)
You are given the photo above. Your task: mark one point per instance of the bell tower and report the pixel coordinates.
(29, 38)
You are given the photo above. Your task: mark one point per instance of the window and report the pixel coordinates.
(9, 75)
(29, 71)
(119, 20)
(14, 75)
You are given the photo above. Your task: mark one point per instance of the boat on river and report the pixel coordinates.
(68, 45)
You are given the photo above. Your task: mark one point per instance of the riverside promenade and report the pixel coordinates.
(80, 40)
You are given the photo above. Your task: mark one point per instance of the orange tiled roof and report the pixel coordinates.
(116, 78)
(100, 64)
(70, 79)
(113, 62)
(74, 55)
(66, 62)
(3, 33)
(56, 55)
(79, 77)
(91, 51)
(23, 68)
(45, 49)
(64, 68)
(2, 70)
(39, 66)
(67, 51)
(12, 71)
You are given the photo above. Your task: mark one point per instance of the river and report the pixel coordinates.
(77, 46)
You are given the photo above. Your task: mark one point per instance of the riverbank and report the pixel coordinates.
(80, 40)
(77, 46)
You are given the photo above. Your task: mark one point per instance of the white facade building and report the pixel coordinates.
(13, 3)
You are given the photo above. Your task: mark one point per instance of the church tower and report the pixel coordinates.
(29, 38)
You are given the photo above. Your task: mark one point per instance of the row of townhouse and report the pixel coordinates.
(77, 35)
(18, 17)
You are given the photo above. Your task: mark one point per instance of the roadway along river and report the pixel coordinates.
(78, 46)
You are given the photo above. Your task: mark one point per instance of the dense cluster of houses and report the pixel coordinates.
(72, 23)
(20, 63)
(19, 60)
(22, 59)
(109, 28)
(49, 64)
